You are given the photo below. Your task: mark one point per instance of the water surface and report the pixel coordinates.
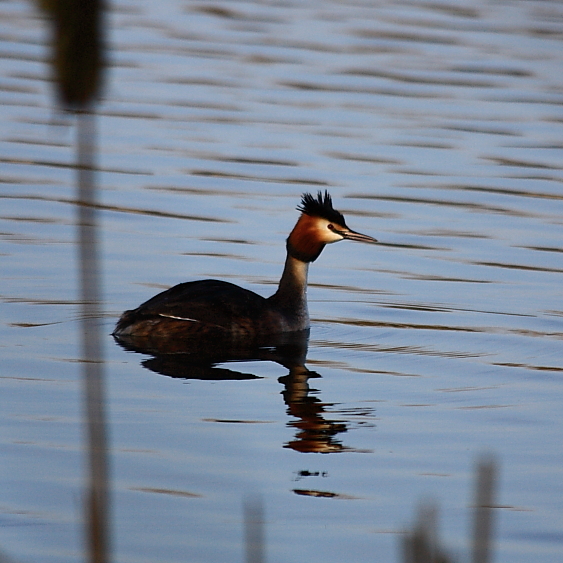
(437, 128)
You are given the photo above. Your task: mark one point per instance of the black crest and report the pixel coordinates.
(320, 207)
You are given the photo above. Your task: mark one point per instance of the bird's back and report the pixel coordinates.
(204, 307)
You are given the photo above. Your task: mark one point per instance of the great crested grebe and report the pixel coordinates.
(219, 309)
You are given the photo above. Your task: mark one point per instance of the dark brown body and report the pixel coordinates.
(208, 308)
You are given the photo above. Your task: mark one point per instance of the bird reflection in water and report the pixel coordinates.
(202, 360)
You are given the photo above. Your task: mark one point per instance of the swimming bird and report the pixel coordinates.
(219, 309)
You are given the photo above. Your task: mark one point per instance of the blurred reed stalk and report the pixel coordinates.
(254, 529)
(421, 544)
(483, 513)
(77, 66)
(96, 506)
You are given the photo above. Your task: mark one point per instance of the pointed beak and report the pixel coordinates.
(353, 235)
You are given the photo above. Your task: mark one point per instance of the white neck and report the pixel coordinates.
(291, 297)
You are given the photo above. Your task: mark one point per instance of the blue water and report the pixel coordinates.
(437, 129)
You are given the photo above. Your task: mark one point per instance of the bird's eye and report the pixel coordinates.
(330, 227)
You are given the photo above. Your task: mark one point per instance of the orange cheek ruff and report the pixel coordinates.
(306, 237)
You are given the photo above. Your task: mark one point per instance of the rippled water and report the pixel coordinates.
(438, 128)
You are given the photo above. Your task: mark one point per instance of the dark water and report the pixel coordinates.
(438, 129)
